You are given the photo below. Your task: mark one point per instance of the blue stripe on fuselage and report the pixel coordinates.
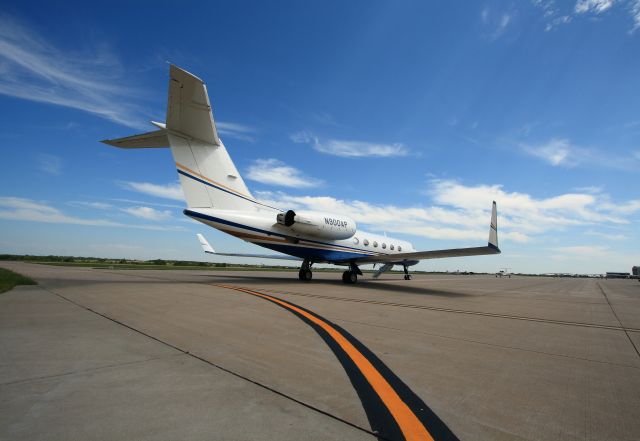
(313, 253)
(355, 253)
(202, 181)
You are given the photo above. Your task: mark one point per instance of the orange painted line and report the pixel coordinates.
(409, 424)
(187, 169)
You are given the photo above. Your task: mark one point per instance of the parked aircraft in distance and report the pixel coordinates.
(217, 196)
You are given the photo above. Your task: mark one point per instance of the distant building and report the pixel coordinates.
(635, 270)
(615, 275)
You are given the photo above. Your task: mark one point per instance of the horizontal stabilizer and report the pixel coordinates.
(155, 139)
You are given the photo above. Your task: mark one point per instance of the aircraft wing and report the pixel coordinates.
(400, 258)
(209, 250)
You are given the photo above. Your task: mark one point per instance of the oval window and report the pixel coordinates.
(356, 241)
(384, 245)
(375, 244)
(399, 248)
(366, 242)
(391, 247)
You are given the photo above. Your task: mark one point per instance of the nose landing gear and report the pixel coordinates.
(407, 276)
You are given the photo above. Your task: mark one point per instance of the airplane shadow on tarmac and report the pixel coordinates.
(404, 288)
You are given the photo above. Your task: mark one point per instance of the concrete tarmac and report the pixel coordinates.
(164, 355)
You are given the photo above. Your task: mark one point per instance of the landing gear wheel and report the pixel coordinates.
(305, 275)
(305, 271)
(349, 277)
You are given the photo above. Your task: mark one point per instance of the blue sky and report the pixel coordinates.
(409, 116)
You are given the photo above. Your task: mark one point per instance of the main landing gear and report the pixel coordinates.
(305, 273)
(407, 276)
(351, 275)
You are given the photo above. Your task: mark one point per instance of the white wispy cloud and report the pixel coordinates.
(495, 22)
(155, 204)
(556, 15)
(22, 209)
(562, 152)
(484, 15)
(350, 149)
(167, 191)
(148, 213)
(96, 205)
(34, 69)
(555, 151)
(275, 172)
(49, 164)
(461, 212)
(634, 10)
(580, 252)
(593, 6)
(608, 236)
(235, 130)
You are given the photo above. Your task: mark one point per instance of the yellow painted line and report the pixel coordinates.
(409, 424)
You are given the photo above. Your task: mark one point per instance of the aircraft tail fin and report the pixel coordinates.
(207, 174)
(188, 107)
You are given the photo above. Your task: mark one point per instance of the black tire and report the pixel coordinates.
(353, 277)
(305, 275)
(345, 276)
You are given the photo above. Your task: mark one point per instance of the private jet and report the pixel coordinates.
(217, 196)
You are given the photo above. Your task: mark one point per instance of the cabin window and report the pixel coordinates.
(391, 247)
(356, 241)
(399, 248)
(366, 242)
(375, 244)
(384, 245)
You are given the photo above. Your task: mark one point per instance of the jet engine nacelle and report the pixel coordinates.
(320, 225)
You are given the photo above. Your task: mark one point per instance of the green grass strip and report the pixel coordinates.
(9, 279)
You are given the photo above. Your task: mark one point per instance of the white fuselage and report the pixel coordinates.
(260, 227)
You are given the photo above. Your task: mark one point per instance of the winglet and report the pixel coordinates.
(493, 228)
(205, 245)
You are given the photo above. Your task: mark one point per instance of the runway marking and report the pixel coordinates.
(459, 311)
(425, 307)
(393, 409)
(604, 293)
